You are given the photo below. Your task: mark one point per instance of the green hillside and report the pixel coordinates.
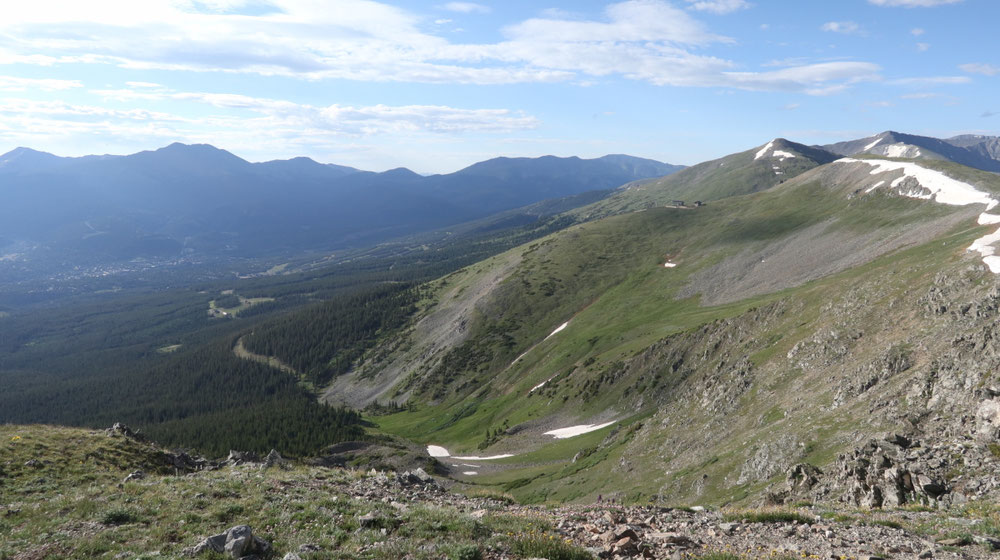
(714, 395)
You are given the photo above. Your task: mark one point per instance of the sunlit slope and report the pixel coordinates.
(698, 354)
(737, 174)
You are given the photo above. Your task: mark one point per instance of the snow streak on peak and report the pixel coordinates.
(938, 187)
(763, 151)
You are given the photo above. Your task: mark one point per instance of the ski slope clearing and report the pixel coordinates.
(936, 186)
(563, 433)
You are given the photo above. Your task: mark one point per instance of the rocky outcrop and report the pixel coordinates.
(238, 542)
(121, 430)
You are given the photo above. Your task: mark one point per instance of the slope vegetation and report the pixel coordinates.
(704, 352)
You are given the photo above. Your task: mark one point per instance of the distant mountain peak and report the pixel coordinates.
(779, 148)
(27, 158)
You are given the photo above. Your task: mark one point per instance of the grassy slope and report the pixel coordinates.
(72, 506)
(733, 175)
(611, 281)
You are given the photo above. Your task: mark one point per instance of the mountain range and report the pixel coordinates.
(200, 200)
(821, 329)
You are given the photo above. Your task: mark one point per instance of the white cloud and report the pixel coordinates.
(923, 47)
(647, 40)
(980, 68)
(916, 32)
(339, 119)
(719, 6)
(845, 27)
(815, 79)
(14, 83)
(466, 8)
(913, 3)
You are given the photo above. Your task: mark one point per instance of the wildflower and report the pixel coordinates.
(15, 438)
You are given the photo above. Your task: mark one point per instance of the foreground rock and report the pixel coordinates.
(238, 542)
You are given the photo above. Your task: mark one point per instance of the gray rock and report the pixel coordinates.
(368, 520)
(136, 475)
(238, 542)
(274, 459)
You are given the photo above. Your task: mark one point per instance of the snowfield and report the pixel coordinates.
(940, 188)
(563, 433)
(437, 451)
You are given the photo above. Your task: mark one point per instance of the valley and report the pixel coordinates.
(817, 332)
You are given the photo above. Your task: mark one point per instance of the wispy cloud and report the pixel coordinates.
(845, 27)
(923, 47)
(930, 81)
(913, 3)
(916, 31)
(719, 6)
(14, 83)
(339, 119)
(987, 114)
(980, 68)
(466, 8)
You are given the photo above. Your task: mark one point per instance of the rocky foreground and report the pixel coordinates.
(81, 494)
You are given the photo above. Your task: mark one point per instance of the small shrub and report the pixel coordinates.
(228, 513)
(118, 517)
(994, 448)
(466, 552)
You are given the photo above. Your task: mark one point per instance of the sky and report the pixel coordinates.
(436, 85)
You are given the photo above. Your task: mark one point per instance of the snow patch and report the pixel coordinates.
(490, 458)
(763, 151)
(669, 264)
(540, 385)
(437, 451)
(875, 186)
(782, 154)
(563, 433)
(558, 329)
(943, 190)
(901, 151)
(872, 145)
(469, 473)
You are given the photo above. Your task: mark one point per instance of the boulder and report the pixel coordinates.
(274, 459)
(238, 542)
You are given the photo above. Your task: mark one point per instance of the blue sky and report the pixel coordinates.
(435, 86)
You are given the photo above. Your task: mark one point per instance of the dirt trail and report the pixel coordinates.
(241, 352)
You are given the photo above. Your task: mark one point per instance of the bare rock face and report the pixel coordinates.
(988, 420)
(887, 474)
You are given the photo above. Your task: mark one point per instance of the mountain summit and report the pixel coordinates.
(980, 152)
